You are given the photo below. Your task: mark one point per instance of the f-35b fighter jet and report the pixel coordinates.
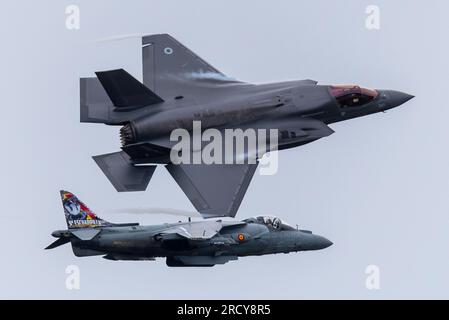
(179, 88)
(202, 243)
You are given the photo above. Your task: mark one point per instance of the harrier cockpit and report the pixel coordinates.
(270, 222)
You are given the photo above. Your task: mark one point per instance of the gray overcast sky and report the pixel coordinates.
(378, 187)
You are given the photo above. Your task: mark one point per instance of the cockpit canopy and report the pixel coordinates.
(271, 222)
(352, 95)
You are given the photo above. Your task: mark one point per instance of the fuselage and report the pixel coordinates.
(283, 106)
(246, 239)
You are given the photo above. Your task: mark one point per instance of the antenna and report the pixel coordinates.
(190, 219)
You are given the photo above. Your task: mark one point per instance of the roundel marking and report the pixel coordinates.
(168, 50)
(241, 237)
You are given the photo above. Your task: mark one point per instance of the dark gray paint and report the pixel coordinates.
(191, 89)
(199, 243)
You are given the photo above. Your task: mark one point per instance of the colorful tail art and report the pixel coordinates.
(78, 215)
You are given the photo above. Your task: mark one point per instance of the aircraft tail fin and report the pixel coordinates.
(125, 91)
(171, 69)
(78, 215)
(95, 105)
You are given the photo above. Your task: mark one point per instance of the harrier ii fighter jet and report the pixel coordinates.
(185, 244)
(179, 89)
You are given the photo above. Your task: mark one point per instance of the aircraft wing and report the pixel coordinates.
(215, 190)
(192, 231)
(196, 230)
(218, 189)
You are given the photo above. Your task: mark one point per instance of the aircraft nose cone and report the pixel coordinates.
(395, 98)
(315, 242)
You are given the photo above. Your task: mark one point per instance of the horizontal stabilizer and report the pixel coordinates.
(125, 91)
(123, 175)
(85, 234)
(57, 243)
